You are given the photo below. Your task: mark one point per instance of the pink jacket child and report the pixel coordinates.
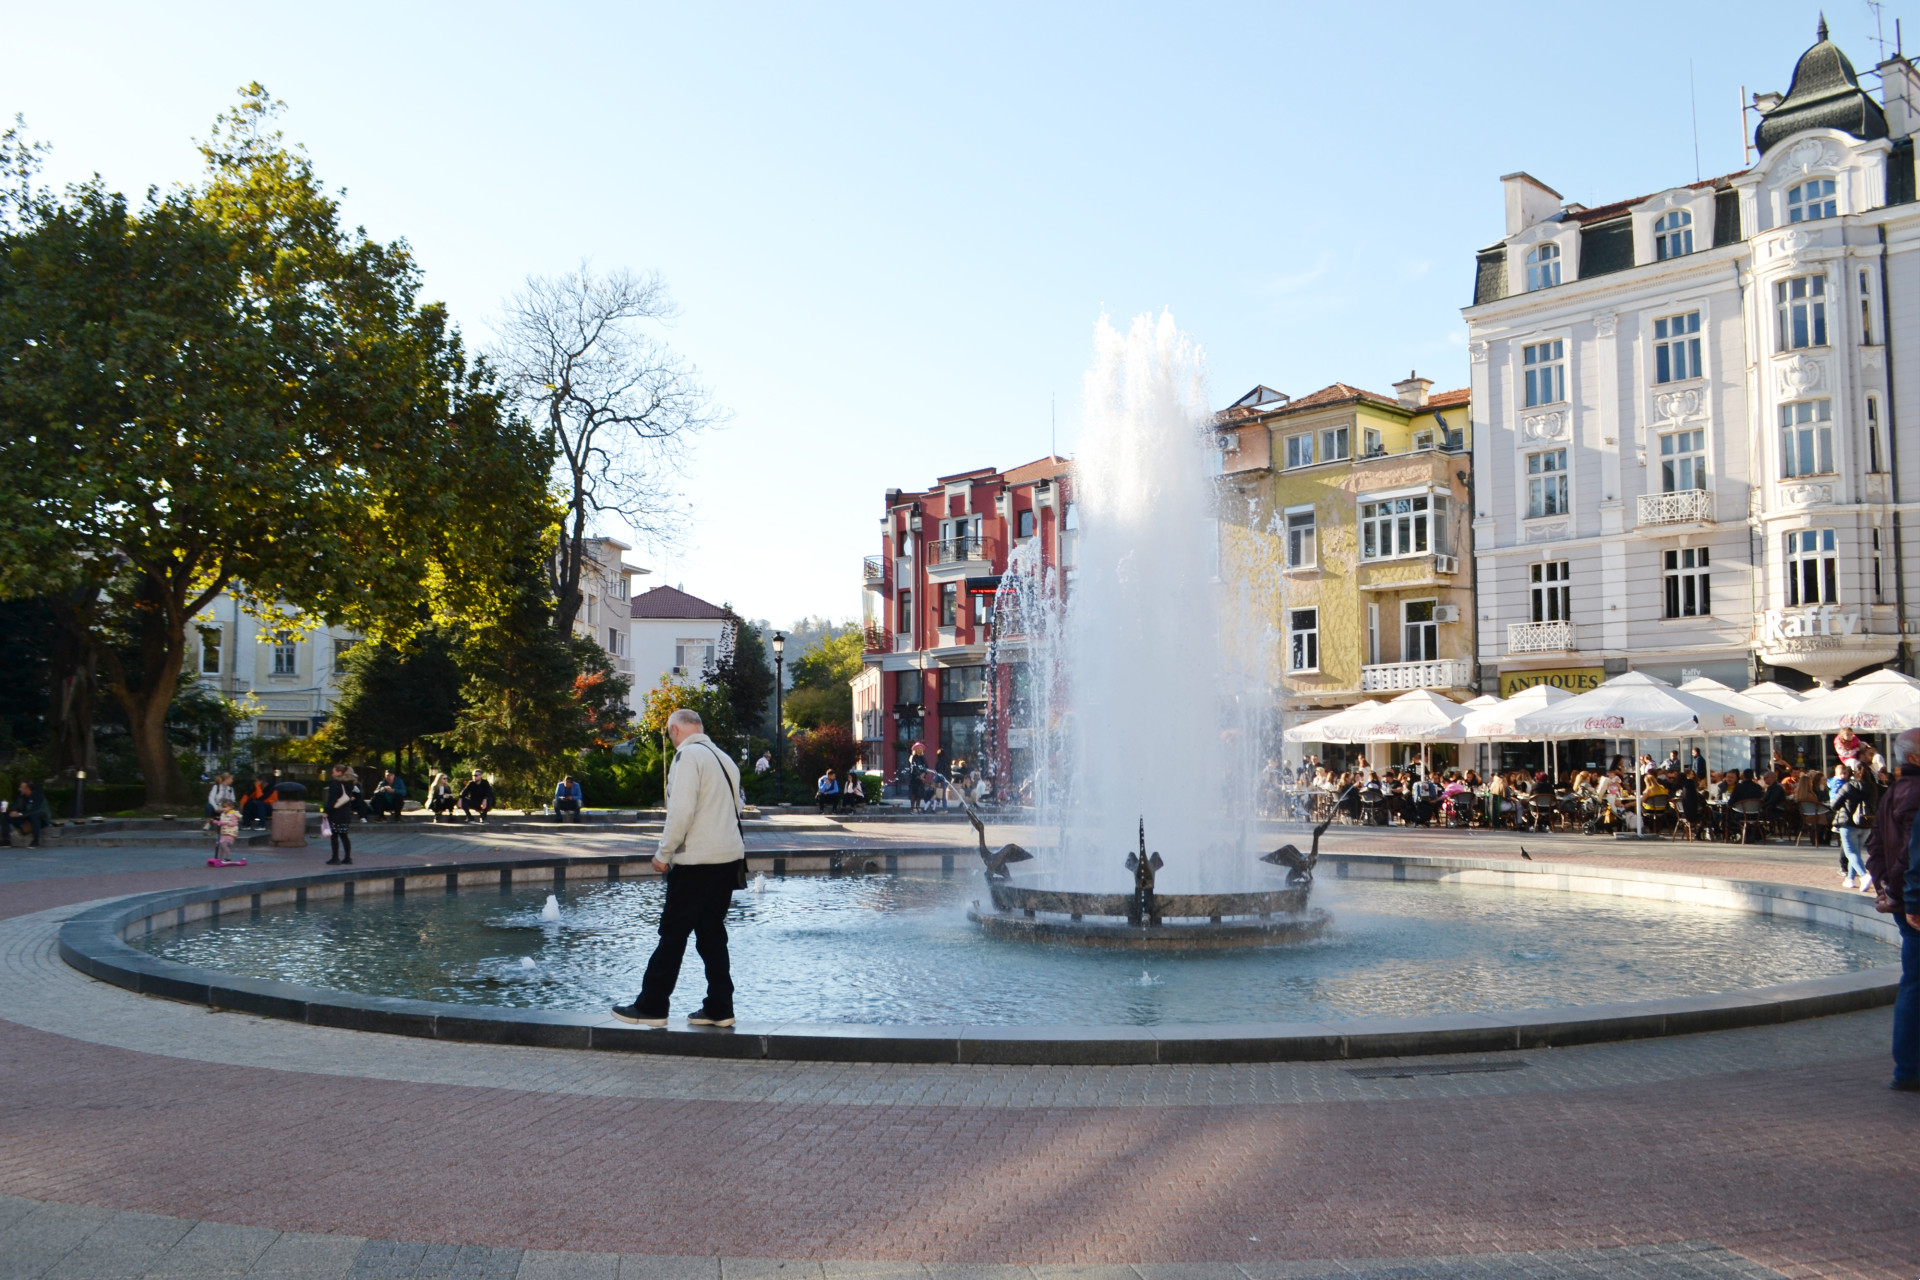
(229, 831)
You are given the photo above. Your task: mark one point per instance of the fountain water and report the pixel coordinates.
(1144, 688)
(550, 914)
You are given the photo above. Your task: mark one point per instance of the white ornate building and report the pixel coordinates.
(1687, 407)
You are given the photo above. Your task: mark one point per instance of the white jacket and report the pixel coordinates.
(703, 806)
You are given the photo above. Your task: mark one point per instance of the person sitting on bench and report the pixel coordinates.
(440, 796)
(389, 798)
(566, 799)
(852, 793)
(476, 797)
(826, 792)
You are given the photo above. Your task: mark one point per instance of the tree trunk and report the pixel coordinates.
(572, 553)
(147, 718)
(145, 678)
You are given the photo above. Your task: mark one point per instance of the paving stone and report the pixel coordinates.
(298, 1255)
(125, 1245)
(557, 1264)
(640, 1266)
(213, 1249)
(769, 1269)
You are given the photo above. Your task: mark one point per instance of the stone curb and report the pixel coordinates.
(93, 942)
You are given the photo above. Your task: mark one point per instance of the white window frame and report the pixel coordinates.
(1303, 537)
(1806, 426)
(1800, 311)
(1683, 460)
(1373, 634)
(686, 646)
(1297, 450)
(1422, 645)
(1402, 525)
(1548, 491)
(1813, 560)
(1813, 200)
(1543, 266)
(1676, 348)
(1685, 580)
(1550, 591)
(286, 655)
(1879, 583)
(1544, 366)
(1335, 444)
(212, 645)
(1372, 442)
(1672, 235)
(1876, 458)
(1303, 641)
(341, 648)
(1866, 310)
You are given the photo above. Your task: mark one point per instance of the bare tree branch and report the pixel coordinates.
(581, 353)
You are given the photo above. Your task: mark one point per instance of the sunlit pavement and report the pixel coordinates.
(140, 1137)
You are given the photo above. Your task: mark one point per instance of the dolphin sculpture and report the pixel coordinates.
(1299, 866)
(996, 862)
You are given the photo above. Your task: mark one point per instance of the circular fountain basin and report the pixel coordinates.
(1421, 955)
(1179, 921)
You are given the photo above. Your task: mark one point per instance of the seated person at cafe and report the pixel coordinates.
(1746, 788)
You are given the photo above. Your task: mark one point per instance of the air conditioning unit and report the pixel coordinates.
(1446, 613)
(1227, 442)
(1446, 564)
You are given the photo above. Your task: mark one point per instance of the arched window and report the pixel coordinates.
(1673, 235)
(1543, 267)
(1811, 201)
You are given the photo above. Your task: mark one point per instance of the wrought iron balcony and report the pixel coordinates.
(878, 639)
(1684, 506)
(873, 571)
(1540, 637)
(1400, 677)
(956, 551)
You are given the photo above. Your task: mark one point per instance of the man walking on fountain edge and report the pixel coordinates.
(703, 854)
(1895, 869)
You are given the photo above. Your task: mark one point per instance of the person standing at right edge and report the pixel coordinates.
(1894, 863)
(703, 854)
(342, 791)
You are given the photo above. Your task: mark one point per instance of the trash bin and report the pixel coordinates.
(289, 815)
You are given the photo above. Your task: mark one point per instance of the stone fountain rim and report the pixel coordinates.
(92, 942)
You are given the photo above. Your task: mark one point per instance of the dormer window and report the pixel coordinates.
(1811, 201)
(1673, 235)
(1543, 267)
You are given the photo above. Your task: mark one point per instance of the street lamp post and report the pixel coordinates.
(779, 679)
(79, 794)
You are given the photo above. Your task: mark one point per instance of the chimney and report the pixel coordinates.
(1529, 200)
(1900, 95)
(1413, 392)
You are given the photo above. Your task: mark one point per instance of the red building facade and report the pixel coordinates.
(930, 616)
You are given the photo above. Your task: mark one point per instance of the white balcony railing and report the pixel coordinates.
(1687, 506)
(1540, 637)
(1399, 677)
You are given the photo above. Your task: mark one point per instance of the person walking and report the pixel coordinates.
(566, 800)
(343, 796)
(703, 855)
(1853, 799)
(1892, 862)
(476, 796)
(916, 777)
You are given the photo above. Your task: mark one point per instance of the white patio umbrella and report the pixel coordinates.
(1484, 700)
(1636, 706)
(1340, 726)
(1495, 723)
(1774, 695)
(1738, 700)
(1878, 702)
(1421, 716)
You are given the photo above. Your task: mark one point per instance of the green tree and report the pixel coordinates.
(395, 696)
(223, 387)
(716, 711)
(822, 693)
(747, 679)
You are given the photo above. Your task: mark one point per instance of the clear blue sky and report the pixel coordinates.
(892, 227)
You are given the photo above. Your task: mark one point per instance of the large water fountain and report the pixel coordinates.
(1144, 686)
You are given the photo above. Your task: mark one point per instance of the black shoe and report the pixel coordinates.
(333, 862)
(702, 1018)
(1911, 1085)
(346, 862)
(631, 1013)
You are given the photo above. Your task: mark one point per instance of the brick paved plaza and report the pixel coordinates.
(141, 1137)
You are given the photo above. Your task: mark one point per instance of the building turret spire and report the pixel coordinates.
(1820, 32)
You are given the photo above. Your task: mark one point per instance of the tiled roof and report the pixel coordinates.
(1619, 207)
(666, 602)
(1338, 393)
(1449, 399)
(1040, 469)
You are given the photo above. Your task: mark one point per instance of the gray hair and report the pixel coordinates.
(687, 718)
(1907, 746)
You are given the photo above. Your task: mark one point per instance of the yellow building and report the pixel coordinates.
(1358, 507)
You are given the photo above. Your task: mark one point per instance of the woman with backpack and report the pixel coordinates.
(1854, 801)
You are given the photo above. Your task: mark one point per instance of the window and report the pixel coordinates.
(1373, 634)
(1811, 201)
(1546, 372)
(907, 689)
(1419, 634)
(1301, 550)
(1550, 593)
(1333, 444)
(949, 603)
(1547, 483)
(1422, 440)
(692, 657)
(1683, 460)
(905, 622)
(1806, 438)
(1543, 267)
(1800, 306)
(1686, 576)
(1299, 451)
(1866, 311)
(1813, 567)
(1676, 348)
(1023, 524)
(1672, 235)
(1371, 439)
(982, 608)
(280, 728)
(286, 655)
(593, 611)
(1303, 651)
(617, 643)
(209, 651)
(341, 648)
(963, 684)
(620, 586)
(1410, 526)
(1873, 435)
(1878, 591)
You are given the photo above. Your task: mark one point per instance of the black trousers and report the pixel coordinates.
(698, 897)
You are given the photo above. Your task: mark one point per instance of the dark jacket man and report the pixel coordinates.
(1892, 828)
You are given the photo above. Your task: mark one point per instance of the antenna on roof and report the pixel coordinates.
(1694, 98)
(1053, 425)
(1879, 28)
